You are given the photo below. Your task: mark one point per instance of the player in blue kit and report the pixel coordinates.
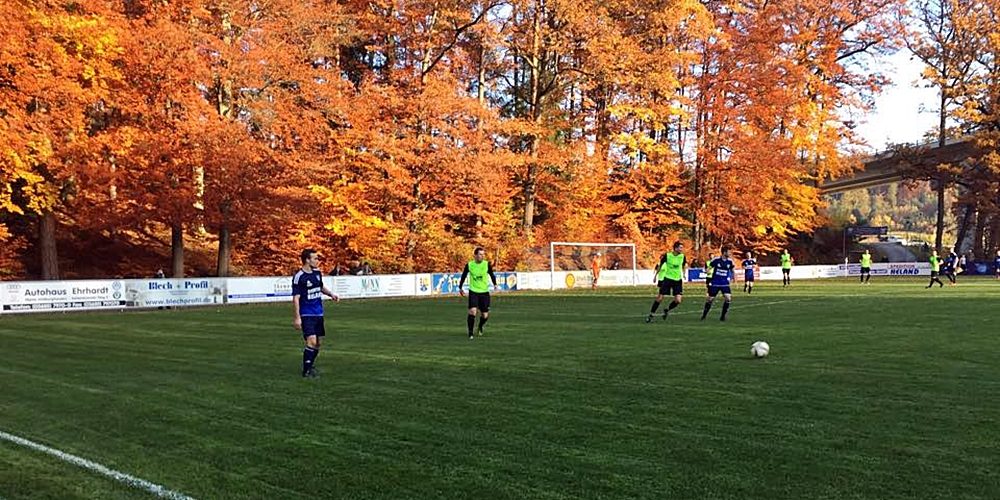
(948, 269)
(722, 270)
(996, 264)
(307, 298)
(749, 265)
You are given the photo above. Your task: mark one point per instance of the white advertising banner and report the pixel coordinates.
(840, 271)
(534, 281)
(890, 269)
(799, 272)
(425, 284)
(175, 292)
(31, 296)
(354, 287)
(646, 277)
(542, 280)
(41, 296)
(617, 278)
(254, 290)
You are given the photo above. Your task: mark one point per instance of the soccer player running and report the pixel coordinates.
(786, 268)
(722, 270)
(307, 299)
(866, 267)
(477, 270)
(935, 269)
(950, 263)
(749, 264)
(670, 280)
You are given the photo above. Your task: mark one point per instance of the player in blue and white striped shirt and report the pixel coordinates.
(307, 297)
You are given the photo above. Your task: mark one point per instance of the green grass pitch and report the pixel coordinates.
(884, 391)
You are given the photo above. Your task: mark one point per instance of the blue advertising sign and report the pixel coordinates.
(697, 274)
(446, 283)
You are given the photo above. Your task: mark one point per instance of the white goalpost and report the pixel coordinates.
(555, 244)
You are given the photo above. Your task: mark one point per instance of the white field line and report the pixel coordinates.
(132, 481)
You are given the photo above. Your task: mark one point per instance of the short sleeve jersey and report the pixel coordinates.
(722, 271)
(309, 288)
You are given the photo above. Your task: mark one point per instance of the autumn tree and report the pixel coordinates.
(60, 64)
(977, 99)
(949, 55)
(766, 96)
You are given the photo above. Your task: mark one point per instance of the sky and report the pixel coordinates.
(904, 111)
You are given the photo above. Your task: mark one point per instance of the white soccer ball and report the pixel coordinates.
(760, 349)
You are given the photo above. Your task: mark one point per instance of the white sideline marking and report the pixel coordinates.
(132, 481)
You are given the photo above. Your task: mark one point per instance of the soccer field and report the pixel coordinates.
(884, 391)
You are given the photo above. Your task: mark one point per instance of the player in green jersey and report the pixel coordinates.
(786, 268)
(478, 270)
(935, 270)
(670, 280)
(866, 267)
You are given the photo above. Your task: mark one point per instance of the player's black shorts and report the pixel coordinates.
(480, 301)
(714, 290)
(786, 271)
(313, 325)
(934, 274)
(671, 287)
(748, 276)
(866, 270)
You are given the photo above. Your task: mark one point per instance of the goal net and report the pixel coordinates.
(572, 264)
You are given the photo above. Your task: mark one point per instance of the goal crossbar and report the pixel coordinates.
(552, 257)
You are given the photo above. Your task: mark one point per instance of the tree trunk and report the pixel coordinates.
(968, 213)
(978, 235)
(529, 199)
(47, 245)
(414, 225)
(177, 250)
(222, 268)
(536, 114)
(481, 87)
(994, 239)
(942, 139)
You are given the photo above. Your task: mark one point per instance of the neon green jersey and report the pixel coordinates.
(866, 260)
(672, 267)
(786, 261)
(479, 276)
(935, 263)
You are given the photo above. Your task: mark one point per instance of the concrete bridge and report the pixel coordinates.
(887, 167)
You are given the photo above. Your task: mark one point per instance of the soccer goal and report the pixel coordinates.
(576, 259)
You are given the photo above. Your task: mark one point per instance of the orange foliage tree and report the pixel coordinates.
(405, 133)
